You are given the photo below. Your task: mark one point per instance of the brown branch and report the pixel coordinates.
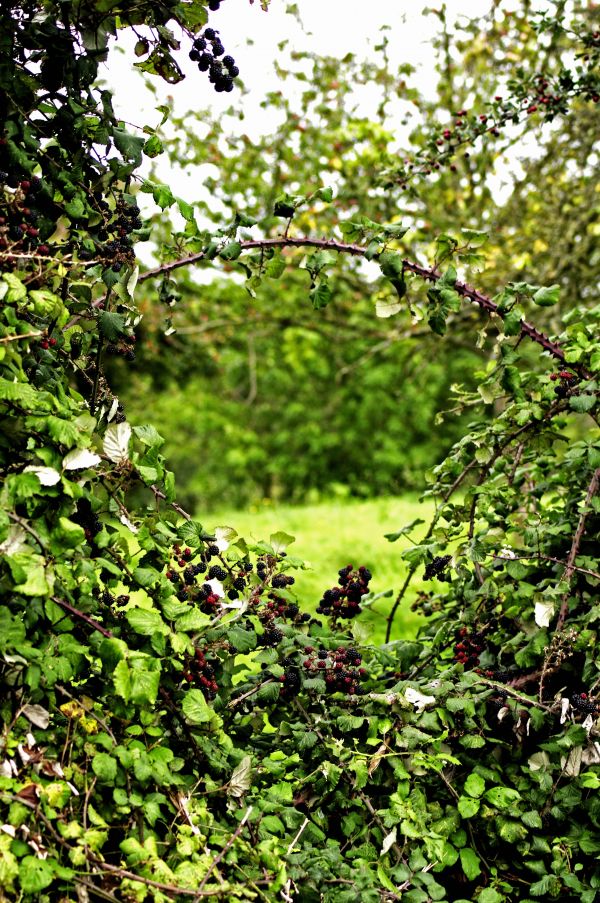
(82, 617)
(592, 489)
(428, 274)
(545, 558)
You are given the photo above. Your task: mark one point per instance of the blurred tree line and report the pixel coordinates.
(267, 399)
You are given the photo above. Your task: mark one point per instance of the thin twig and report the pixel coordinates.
(227, 847)
(592, 489)
(297, 837)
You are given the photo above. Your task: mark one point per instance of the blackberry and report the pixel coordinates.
(436, 567)
(233, 594)
(199, 43)
(228, 61)
(200, 568)
(214, 5)
(322, 653)
(234, 71)
(581, 702)
(213, 549)
(271, 637)
(189, 575)
(279, 581)
(292, 610)
(218, 49)
(205, 591)
(239, 583)
(210, 34)
(204, 62)
(217, 572)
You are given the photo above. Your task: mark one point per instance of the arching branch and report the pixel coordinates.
(428, 274)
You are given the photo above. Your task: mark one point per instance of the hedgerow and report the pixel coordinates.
(175, 726)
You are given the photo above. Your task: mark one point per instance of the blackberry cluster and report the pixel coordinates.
(340, 669)
(20, 216)
(86, 518)
(583, 703)
(271, 637)
(290, 683)
(124, 347)
(201, 672)
(113, 241)
(216, 572)
(206, 50)
(343, 601)
(280, 581)
(437, 568)
(567, 383)
(468, 648)
(278, 607)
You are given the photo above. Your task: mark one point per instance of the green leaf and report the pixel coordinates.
(470, 863)
(320, 295)
(35, 874)
(474, 785)
(231, 251)
(105, 768)
(195, 707)
(280, 541)
(242, 640)
(546, 297)
(111, 325)
(153, 146)
(129, 146)
(468, 807)
(502, 797)
(583, 403)
(146, 621)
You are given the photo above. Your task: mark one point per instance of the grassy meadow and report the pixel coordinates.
(332, 534)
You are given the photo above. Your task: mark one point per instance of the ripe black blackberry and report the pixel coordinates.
(213, 549)
(436, 567)
(582, 703)
(233, 594)
(292, 610)
(271, 637)
(217, 572)
(239, 583)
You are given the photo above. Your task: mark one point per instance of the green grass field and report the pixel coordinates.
(332, 534)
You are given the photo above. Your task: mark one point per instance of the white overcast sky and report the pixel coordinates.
(331, 27)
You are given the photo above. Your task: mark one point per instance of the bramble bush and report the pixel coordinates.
(174, 725)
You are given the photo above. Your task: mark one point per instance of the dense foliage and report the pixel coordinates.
(174, 725)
